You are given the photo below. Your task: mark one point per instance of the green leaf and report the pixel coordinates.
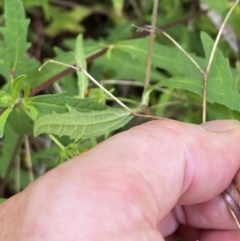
(122, 65)
(20, 121)
(82, 78)
(220, 6)
(69, 152)
(167, 58)
(47, 104)
(4, 64)
(15, 33)
(66, 19)
(35, 77)
(220, 72)
(221, 87)
(8, 148)
(3, 119)
(26, 91)
(78, 125)
(215, 94)
(5, 99)
(2, 200)
(16, 85)
(220, 112)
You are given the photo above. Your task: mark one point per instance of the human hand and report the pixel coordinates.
(160, 179)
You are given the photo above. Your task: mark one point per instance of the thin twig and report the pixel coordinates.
(234, 217)
(232, 206)
(206, 74)
(102, 88)
(57, 142)
(219, 36)
(91, 78)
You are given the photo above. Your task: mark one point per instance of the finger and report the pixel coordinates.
(141, 174)
(187, 233)
(180, 162)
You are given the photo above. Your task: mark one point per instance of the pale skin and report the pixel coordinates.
(157, 181)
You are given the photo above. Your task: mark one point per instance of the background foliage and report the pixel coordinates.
(49, 116)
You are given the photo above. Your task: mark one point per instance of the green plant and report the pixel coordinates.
(74, 120)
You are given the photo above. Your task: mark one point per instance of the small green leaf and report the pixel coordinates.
(3, 118)
(82, 78)
(5, 99)
(78, 125)
(16, 85)
(69, 152)
(26, 91)
(32, 111)
(147, 91)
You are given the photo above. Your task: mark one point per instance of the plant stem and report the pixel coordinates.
(28, 157)
(57, 142)
(150, 48)
(17, 174)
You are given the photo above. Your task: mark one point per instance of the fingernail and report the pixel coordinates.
(221, 125)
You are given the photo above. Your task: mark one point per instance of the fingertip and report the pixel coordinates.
(221, 125)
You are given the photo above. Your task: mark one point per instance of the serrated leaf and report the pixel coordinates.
(81, 62)
(216, 94)
(220, 72)
(84, 125)
(221, 87)
(15, 33)
(168, 58)
(47, 104)
(16, 85)
(3, 119)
